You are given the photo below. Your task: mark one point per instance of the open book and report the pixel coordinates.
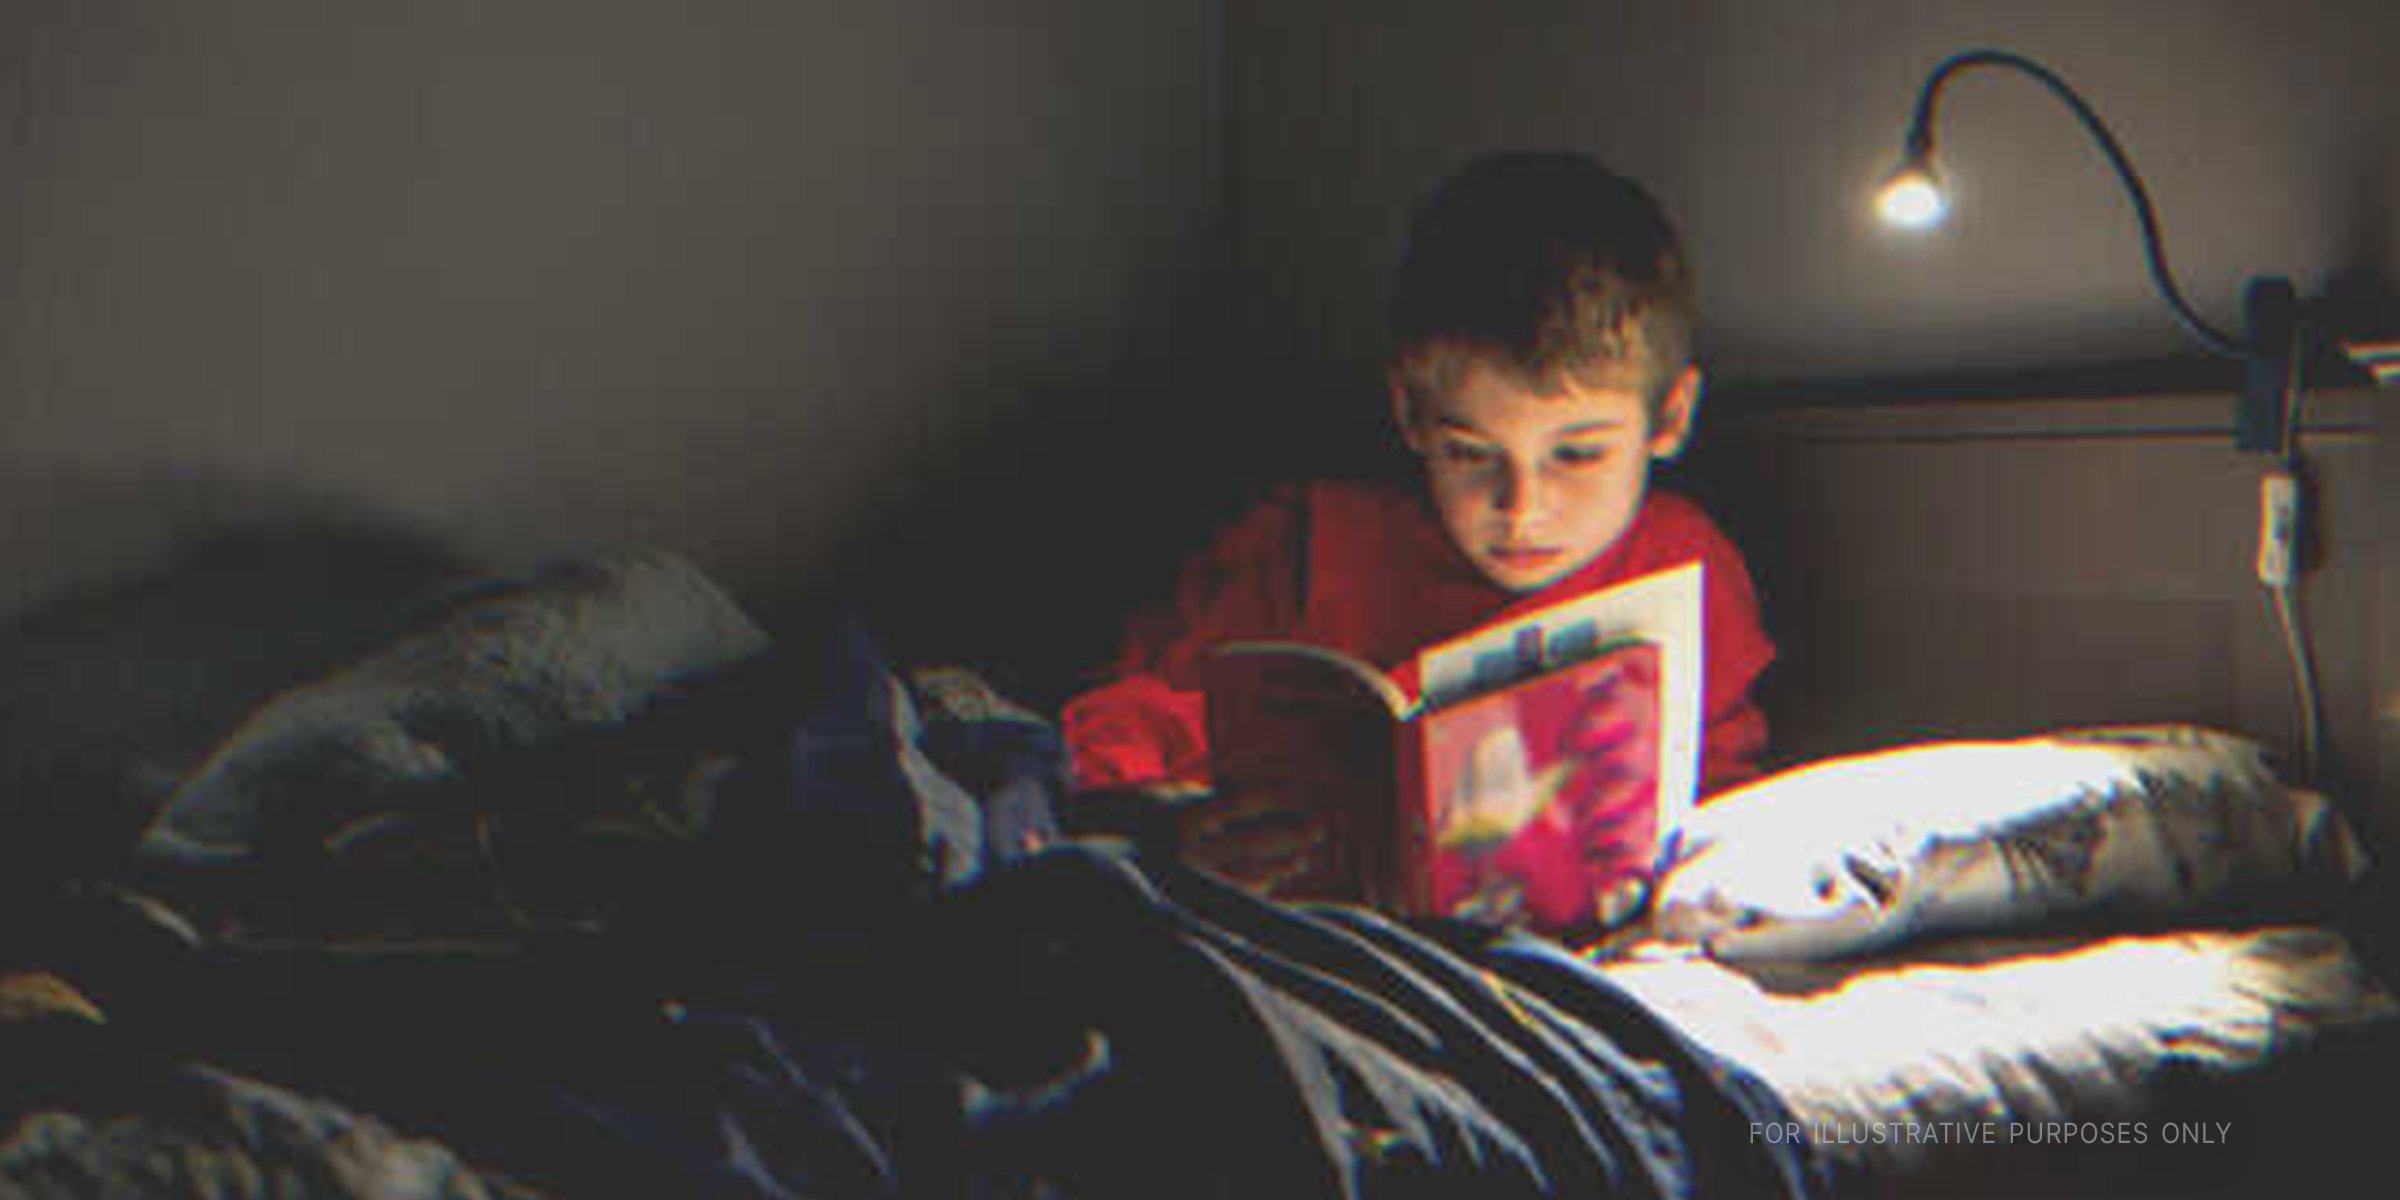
(1531, 780)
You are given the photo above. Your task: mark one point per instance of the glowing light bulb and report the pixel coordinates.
(1911, 199)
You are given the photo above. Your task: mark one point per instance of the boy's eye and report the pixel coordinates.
(1467, 452)
(1579, 455)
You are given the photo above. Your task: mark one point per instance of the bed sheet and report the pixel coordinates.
(1950, 1055)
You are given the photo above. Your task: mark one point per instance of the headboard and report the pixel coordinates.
(1956, 568)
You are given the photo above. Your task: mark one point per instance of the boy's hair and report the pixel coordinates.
(1547, 264)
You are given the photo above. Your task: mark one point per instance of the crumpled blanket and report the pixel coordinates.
(220, 1136)
(1302, 1050)
(1056, 1019)
(95, 1115)
(862, 965)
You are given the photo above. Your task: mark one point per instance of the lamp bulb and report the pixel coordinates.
(1911, 199)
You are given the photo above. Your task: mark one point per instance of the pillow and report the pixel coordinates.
(1854, 854)
(579, 642)
(110, 694)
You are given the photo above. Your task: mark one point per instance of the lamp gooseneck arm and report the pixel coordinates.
(1920, 149)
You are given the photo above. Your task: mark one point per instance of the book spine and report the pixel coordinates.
(1410, 858)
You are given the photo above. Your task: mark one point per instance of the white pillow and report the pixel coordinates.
(1854, 854)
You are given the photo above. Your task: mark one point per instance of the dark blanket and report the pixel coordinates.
(1273, 1050)
(1072, 1026)
(859, 963)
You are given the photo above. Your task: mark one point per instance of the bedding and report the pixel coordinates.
(111, 693)
(585, 886)
(1910, 1065)
(578, 644)
(206, 1132)
(1852, 854)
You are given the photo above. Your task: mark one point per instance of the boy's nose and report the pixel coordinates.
(1513, 491)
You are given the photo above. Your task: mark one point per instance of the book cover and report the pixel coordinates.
(1530, 781)
(1542, 798)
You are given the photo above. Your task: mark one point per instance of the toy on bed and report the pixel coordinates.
(582, 887)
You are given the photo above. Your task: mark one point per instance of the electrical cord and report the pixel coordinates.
(2280, 505)
(2304, 675)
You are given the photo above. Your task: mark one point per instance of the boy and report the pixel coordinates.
(1541, 361)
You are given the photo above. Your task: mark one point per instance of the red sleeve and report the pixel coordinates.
(1145, 723)
(1734, 739)
(1136, 730)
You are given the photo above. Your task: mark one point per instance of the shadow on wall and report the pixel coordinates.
(1025, 576)
(1018, 547)
(151, 617)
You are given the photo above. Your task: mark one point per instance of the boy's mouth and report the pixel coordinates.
(1524, 558)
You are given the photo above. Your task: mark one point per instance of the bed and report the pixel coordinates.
(576, 882)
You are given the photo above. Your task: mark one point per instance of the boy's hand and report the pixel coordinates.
(1257, 839)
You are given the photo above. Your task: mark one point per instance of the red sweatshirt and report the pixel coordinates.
(1369, 570)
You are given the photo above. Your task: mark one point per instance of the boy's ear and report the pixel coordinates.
(1404, 414)
(1676, 412)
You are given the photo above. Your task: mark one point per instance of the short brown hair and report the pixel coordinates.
(1548, 264)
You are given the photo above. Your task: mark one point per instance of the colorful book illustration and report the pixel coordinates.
(1531, 779)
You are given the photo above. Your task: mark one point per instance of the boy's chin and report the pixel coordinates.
(1510, 577)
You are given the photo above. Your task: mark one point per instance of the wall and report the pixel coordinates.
(1921, 587)
(744, 278)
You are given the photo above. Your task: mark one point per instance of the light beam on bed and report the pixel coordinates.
(1988, 1049)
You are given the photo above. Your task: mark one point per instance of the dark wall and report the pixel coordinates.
(818, 293)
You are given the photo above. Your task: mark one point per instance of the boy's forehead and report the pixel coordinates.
(1445, 367)
(1483, 393)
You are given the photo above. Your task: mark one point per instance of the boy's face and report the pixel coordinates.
(1533, 485)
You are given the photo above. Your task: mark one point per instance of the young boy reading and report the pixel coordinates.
(1540, 363)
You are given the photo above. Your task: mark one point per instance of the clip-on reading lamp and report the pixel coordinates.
(2265, 414)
